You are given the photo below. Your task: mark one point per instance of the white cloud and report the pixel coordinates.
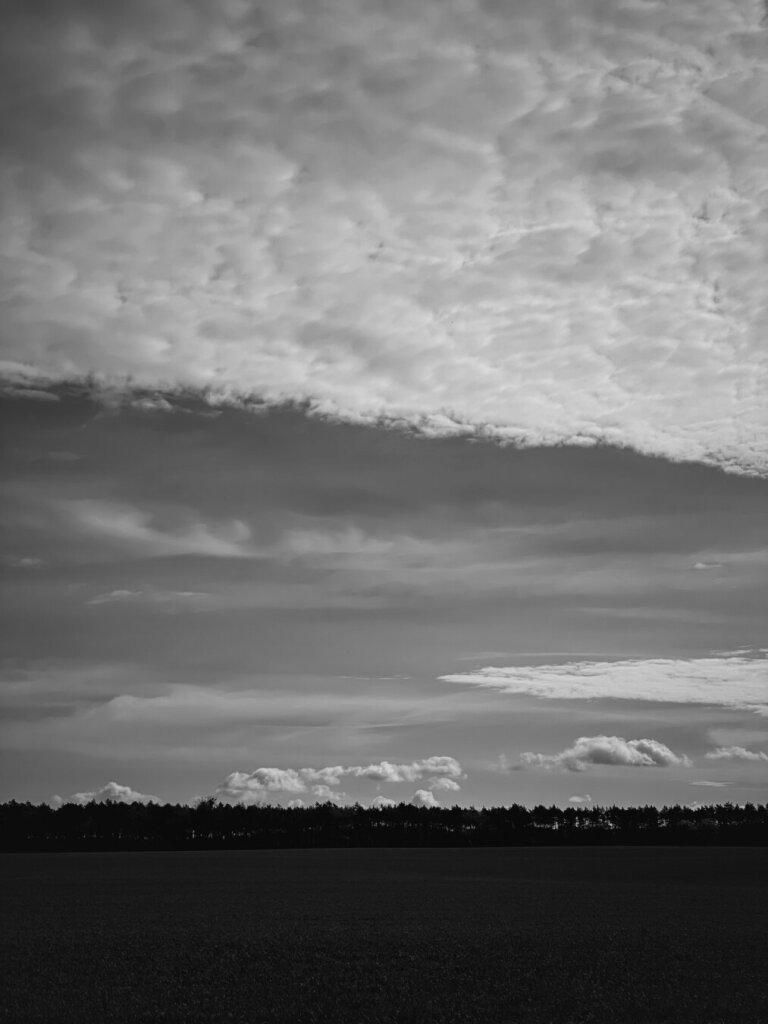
(736, 754)
(382, 801)
(585, 799)
(256, 787)
(445, 784)
(542, 220)
(111, 791)
(704, 566)
(424, 798)
(607, 750)
(730, 680)
(385, 771)
(709, 784)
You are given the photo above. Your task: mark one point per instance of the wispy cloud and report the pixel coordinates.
(137, 530)
(735, 680)
(474, 195)
(606, 750)
(161, 600)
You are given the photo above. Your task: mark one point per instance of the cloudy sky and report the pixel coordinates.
(384, 398)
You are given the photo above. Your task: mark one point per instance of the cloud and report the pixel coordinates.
(730, 680)
(736, 754)
(424, 798)
(586, 799)
(160, 600)
(111, 791)
(323, 794)
(382, 801)
(136, 530)
(445, 784)
(704, 566)
(385, 771)
(256, 787)
(607, 750)
(708, 783)
(540, 221)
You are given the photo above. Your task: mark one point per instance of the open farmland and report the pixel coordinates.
(401, 935)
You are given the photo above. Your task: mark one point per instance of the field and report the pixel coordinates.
(368, 936)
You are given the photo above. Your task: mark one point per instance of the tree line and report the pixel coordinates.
(212, 825)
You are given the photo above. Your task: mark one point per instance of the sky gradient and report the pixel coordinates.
(384, 395)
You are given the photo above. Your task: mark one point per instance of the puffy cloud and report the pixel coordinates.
(255, 787)
(730, 680)
(737, 754)
(424, 798)
(542, 221)
(445, 784)
(607, 750)
(111, 791)
(385, 771)
(383, 801)
(585, 799)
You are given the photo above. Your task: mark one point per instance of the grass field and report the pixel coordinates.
(373, 936)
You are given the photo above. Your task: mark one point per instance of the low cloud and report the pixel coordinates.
(737, 754)
(445, 784)
(585, 799)
(256, 787)
(424, 798)
(710, 784)
(383, 801)
(439, 766)
(606, 750)
(729, 680)
(113, 791)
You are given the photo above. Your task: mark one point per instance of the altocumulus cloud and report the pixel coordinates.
(730, 680)
(413, 211)
(255, 787)
(606, 750)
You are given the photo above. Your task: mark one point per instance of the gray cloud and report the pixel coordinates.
(737, 754)
(607, 750)
(541, 221)
(585, 799)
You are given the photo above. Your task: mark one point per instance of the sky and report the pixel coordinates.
(384, 401)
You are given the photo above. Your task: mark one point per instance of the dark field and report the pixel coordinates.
(402, 935)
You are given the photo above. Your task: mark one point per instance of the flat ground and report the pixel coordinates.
(420, 936)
